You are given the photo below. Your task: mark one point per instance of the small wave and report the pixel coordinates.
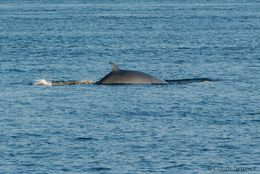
(61, 83)
(15, 70)
(85, 139)
(99, 169)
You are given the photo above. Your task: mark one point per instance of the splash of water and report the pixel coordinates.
(42, 82)
(61, 83)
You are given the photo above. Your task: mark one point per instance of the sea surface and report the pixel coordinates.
(195, 127)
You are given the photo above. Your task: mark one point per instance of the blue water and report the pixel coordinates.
(206, 127)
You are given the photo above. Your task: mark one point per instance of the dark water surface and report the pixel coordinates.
(205, 127)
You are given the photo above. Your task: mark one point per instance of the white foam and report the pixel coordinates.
(87, 82)
(61, 83)
(42, 82)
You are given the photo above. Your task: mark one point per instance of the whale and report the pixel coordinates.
(119, 76)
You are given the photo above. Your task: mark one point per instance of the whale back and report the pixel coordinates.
(118, 76)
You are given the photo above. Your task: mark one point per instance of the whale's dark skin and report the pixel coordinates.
(118, 76)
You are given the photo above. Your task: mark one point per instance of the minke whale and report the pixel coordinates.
(120, 77)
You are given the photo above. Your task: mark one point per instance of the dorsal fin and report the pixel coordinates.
(114, 66)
